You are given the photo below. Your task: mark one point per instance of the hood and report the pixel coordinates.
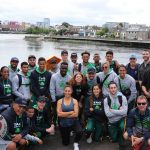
(22, 74)
(17, 69)
(37, 70)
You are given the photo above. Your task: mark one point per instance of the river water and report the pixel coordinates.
(14, 45)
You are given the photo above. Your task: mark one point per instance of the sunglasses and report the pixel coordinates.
(105, 67)
(141, 103)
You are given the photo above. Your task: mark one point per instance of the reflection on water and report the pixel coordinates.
(15, 45)
(34, 45)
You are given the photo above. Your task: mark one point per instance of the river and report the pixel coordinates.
(14, 45)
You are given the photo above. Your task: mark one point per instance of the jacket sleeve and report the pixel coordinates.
(15, 87)
(25, 127)
(108, 113)
(33, 85)
(123, 111)
(130, 122)
(133, 91)
(52, 88)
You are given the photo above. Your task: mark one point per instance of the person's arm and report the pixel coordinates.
(123, 109)
(60, 113)
(133, 91)
(107, 109)
(53, 88)
(34, 85)
(76, 110)
(130, 122)
(15, 87)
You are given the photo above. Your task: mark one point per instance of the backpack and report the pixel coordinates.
(20, 80)
(119, 98)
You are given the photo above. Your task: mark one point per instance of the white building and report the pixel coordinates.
(46, 22)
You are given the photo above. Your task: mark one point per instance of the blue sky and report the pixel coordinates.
(76, 12)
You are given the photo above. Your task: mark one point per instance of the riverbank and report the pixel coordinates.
(115, 42)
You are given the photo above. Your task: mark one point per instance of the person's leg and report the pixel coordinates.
(113, 131)
(65, 134)
(54, 112)
(11, 146)
(98, 132)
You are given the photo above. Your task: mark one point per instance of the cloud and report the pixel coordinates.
(79, 12)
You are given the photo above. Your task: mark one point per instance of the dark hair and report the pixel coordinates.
(110, 52)
(31, 56)
(122, 66)
(68, 85)
(24, 63)
(85, 52)
(64, 63)
(2, 68)
(146, 50)
(112, 82)
(41, 59)
(64, 52)
(101, 96)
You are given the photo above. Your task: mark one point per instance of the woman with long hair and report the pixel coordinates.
(67, 111)
(96, 118)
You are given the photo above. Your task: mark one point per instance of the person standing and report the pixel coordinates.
(32, 63)
(13, 70)
(40, 81)
(6, 97)
(21, 83)
(97, 63)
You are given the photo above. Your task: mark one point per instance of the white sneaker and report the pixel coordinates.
(71, 133)
(76, 146)
(89, 140)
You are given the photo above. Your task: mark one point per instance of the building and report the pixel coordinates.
(46, 22)
(111, 25)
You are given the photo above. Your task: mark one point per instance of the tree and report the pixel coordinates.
(65, 24)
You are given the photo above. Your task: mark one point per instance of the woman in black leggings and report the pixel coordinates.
(67, 111)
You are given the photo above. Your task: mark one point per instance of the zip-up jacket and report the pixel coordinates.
(139, 124)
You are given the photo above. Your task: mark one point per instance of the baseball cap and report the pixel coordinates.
(64, 52)
(133, 56)
(42, 99)
(14, 59)
(91, 70)
(31, 56)
(21, 102)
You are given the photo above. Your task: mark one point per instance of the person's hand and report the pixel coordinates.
(137, 141)
(147, 94)
(17, 138)
(121, 108)
(133, 139)
(91, 109)
(110, 109)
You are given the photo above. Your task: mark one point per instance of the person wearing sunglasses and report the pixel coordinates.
(138, 125)
(106, 76)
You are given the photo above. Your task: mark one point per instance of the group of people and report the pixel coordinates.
(93, 98)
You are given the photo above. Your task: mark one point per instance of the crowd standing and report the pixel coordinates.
(93, 99)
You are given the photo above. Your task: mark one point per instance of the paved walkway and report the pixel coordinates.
(54, 143)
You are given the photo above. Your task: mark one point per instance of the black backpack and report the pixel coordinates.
(20, 80)
(109, 100)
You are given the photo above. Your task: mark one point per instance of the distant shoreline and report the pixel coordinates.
(115, 42)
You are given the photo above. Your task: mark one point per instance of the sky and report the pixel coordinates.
(76, 12)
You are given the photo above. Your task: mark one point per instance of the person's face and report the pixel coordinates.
(53, 65)
(18, 109)
(105, 68)
(122, 72)
(14, 64)
(146, 55)
(41, 105)
(74, 60)
(63, 70)
(30, 112)
(5, 73)
(112, 89)
(141, 105)
(78, 78)
(64, 57)
(133, 61)
(67, 92)
(32, 62)
(85, 58)
(109, 57)
(96, 90)
(96, 58)
(24, 68)
(41, 65)
(91, 75)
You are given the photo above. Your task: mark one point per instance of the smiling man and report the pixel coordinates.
(138, 124)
